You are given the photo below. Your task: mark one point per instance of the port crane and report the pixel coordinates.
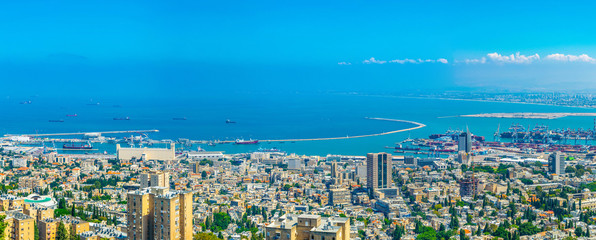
(497, 135)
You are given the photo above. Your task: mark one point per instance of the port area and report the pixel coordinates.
(96, 137)
(529, 115)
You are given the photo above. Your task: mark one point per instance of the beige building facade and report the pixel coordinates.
(157, 213)
(164, 154)
(308, 227)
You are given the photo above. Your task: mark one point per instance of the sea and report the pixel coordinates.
(260, 116)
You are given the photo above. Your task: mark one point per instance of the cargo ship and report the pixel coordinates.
(85, 146)
(122, 118)
(229, 121)
(242, 141)
(72, 115)
(179, 118)
(56, 120)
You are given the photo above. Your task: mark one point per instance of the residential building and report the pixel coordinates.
(556, 163)
(306, 226)
(340, 196)
(157, 213)
(155, 179)
(20, 226)
(378, 171)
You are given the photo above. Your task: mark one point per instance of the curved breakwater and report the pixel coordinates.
(418, 125)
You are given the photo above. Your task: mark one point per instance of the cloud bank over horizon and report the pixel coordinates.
(491, 58)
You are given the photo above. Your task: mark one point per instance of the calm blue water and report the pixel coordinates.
(273, 116)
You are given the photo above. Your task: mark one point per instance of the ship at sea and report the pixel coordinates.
(250, 141)
(179, 118)
(56, 120)
(72, 115)
(229, 121)
(122, 118)
(85, 146)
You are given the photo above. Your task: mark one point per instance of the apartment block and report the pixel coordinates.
(38, 212)
(20, 226)
(155, 179)
(308, 227)
(31, 182)
(11, 202)
(157, 213)
(47, 229)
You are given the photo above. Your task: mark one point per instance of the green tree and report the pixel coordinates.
(35, 231)
(74, 236)
(3, 226)
(205, 236)
(528, 228)
(428, 234)
(62, 203)
(579, 231)
(61, 233)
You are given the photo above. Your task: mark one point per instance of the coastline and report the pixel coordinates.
(470, 100)
(529, 115)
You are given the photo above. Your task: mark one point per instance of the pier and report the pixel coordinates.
(418, 125)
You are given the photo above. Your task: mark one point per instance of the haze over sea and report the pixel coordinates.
(274, 116)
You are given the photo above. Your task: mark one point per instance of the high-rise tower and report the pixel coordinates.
(378, 171)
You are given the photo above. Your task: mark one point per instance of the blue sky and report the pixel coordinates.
(88, 47)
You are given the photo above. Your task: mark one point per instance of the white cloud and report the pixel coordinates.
(495, 57)
(571, 58)
(373, 60)
(344, 63)
(513, 58)
(404, 61)
(518, 58)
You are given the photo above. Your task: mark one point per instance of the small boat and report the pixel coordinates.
(72, 115)
(179, 118)
(93, 104)
(78, 146)
(56, 120)
(229, 121)
(26, 102)
(122, 118)
(242, 141)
